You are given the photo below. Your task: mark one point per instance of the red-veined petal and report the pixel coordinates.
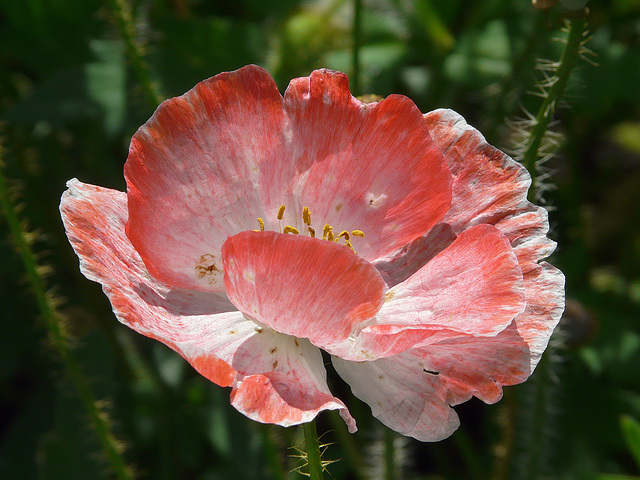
(301, 286)
(489, 187)
(370, 167)
(412, 392)
(221, 343)
(193, 172)
(473, 286)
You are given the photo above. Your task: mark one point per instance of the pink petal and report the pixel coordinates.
(412, 392)
(399, 266)
(474, 286)
(480, 365)
(402, 396)
(94, 218)
(487, 184)
(192, 173)
(301, 286)
(489, 187)
(204, 328)
(292, 388)
(370, 167)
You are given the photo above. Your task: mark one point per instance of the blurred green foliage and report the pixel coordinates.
(69, 103)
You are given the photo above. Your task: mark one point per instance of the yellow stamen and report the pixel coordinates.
(326, 230)
(344, 234)
(306, 216)
(348, 244)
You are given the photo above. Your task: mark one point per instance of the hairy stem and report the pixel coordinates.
(313, 450)
(53, 322)
(568, 60)
(124, 22)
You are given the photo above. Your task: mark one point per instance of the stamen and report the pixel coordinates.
(326, 230)
(344, 234)
(348, 244)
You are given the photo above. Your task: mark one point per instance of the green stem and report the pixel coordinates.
(53, 322)
(313, 450)
(124, 21)
(512, 85)
(357, 44)
(568, 60)
(348, 444)
(389, 454)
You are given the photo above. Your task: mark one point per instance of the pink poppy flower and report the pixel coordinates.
(258, 230)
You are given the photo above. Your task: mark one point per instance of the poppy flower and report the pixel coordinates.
(258, 230)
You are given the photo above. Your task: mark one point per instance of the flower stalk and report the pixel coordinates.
(390, 466)
(556, 85)
(312, 445)
(124, 22)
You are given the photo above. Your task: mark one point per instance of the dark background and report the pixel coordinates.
(71, 95)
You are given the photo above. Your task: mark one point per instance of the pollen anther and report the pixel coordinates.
(344, 234)
(326, 231)
(306, 216)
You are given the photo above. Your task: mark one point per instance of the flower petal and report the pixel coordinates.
(94, 218)
(301, 286)
(220, 343)
(370, 167)
(412, 392)
(481, 365)
(489, 187)
(473, 286)
(487, 184)
(402, 396)
(292, 388)
(193, 170)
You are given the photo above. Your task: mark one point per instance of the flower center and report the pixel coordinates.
(327, 230)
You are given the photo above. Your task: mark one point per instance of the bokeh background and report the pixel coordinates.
(77, 77)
